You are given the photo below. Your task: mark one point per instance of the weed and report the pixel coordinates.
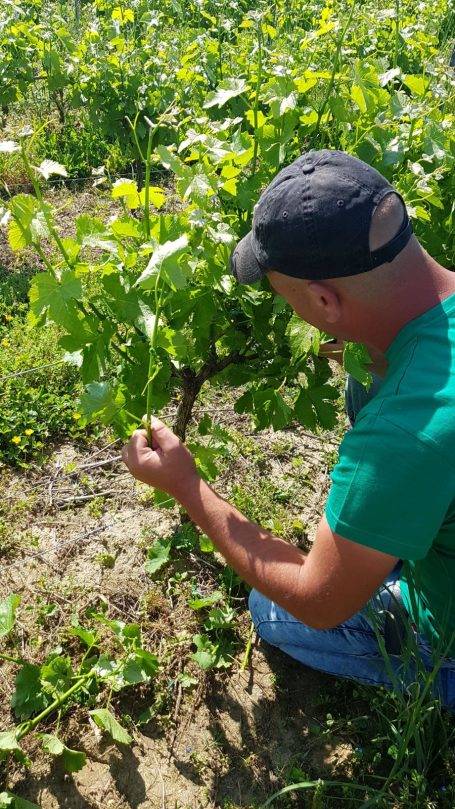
(96, 509)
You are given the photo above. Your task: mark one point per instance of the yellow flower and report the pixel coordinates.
(29, 432)
(5, 343)
(76, 416)
(16, 439)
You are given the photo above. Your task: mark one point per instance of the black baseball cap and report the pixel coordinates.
(313, 221)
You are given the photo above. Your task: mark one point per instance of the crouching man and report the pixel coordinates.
(335, 241)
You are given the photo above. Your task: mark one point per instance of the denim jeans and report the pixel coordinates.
(351, 650)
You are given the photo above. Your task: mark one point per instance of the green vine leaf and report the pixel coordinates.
(157, 556)
(302, 337)
(8, 799)
(28, 223)
(206, 653)
(49, 167)
(8, 613)
(28, 697)
(73, 760)
(355, 358)
(227, 89)
(100, 400)
(55, 299)
(8, 741)
(105, 719)
(164, 261)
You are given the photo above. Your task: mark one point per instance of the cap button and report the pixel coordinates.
(307, 168)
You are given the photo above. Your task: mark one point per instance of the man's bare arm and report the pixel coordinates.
(323, 588)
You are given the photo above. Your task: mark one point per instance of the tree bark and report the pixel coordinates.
(192, 383)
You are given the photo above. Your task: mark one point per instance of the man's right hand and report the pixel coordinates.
(167, 465)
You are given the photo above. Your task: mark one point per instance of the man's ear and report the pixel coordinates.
(326, 300)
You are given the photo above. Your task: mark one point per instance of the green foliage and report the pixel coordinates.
(58, 683)
(144, 309)
(157, 556)
(7, 613)
(145, 303)
(7, 799)
(105, 719)
(80, 148)
(34, 407)
(73, 760)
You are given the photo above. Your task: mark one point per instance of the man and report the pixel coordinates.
(334, 239)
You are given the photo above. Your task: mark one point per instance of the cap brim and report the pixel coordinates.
(244, 265)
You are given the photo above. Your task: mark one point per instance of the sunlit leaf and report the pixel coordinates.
(9, 146)
(157, 556)
(49, 167)
(227, 89)
(8, 740)
(105, 719)
(73, 760)
(165, 258)
(8, 613)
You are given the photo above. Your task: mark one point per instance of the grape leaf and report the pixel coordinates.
(205, 601)
(8, 741)
(85, 635)
(127, 189)
(355, 358)
(148, 662)
(126, 226)
(49, 167)
(7, 613)
(107, 720)
(205, 544)
(164, 258)
(9, 799)
(227, 89)
(54, 298)
(205, 656)
(88, 226)
(73, 760)
(28, 697)
(312, 407)
(28, 223)
(157, 556)
(302, 337)
(267, 406)
(101, 400)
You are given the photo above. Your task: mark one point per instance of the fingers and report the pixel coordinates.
(331, 347)
(332, 351)
(137, 443)
(163, 437)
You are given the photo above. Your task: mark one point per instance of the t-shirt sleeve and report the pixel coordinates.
(390, 490)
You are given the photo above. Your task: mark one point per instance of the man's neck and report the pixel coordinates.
(379, 323)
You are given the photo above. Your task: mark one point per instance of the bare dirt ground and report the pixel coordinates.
(232, 738)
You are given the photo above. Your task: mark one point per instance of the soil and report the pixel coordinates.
(231, 739)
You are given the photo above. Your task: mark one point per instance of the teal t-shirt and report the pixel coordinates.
(394, 485)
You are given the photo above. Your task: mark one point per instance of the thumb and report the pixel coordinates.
(162, 437)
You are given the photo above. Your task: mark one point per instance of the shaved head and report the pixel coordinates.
(386, 221)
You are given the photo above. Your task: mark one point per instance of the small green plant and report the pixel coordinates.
(58, 684)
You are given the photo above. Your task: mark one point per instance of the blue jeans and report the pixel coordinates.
(351, 650)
